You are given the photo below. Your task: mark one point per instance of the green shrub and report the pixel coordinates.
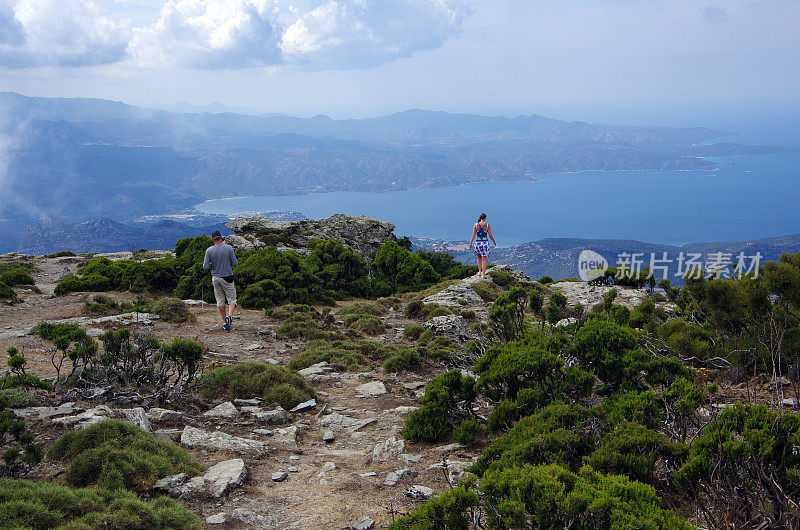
(44, 505)
(633, 406)
(529, 377)
(507, 315)
(173, 310)
(101, 303)
(301, 326)
(611, 351)
(544, 280)
(405, 359)
(427, 336)
(249, 380)
(413, 331)
(285, 311)
(487, 290)
(17, 448)
(446, 266)
(368, 324)
(7, 292)
(263, 294)
(403, 270)
(18, 399)
(638, 453)
(414, 308)
(503, 278)
(60, 254)
(116, 455)
(19, 377)
(363, 308)
(549, 496)
(16, 277)
(467, 431)
(748, 456)
(560, 433)
(455, 509)
(446, 403)
(344, 355)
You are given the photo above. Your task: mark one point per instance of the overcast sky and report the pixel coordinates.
(574, 59)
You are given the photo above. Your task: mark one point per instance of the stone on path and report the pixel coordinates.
(328, 436)
(278, 416)
(365, 523)
(337, 422)
(371, 389)
(225, 409)
(159, 414)
(286, 437)
(393, 478)
(219, 518)
(305, 405)
(418, 492)
(222, 477)
(138, 417)
(220, 441)
(390, 449)
(279, 476)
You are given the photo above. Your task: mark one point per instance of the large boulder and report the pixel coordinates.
(363, 234)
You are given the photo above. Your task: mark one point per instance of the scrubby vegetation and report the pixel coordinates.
(16, 277)
(117, 455)
(344, 355)
(266, 277)
(610, 411)
(172, 310)
(17, 448)
(45, 506)
(272, 383)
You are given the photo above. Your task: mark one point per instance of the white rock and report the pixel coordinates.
(279, 476)
(305, 405)
(138, 417)
(159, 414)
(365, 523)
(286, 437)
(225, 409)
(220, 441)
(221, 478)
(389, 449)
(419, 492)
(371, 389)
(393, 478)
(249, 516)
(219, 518)
(451, 325)
(337, 422)
(278, 416)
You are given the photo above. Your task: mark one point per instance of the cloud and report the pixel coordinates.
(714, 14)
(210, 34)
(362, 33)
(59, 33)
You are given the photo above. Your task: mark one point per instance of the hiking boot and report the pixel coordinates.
(228, 323)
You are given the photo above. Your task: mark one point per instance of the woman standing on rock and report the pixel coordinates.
(481, 233)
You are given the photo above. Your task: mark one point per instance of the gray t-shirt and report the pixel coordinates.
(220, 259)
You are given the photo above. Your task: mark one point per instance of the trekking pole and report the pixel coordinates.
(202, 298)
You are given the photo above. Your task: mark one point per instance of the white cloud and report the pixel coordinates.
(210, 34)
(59, 33)
(361, 33)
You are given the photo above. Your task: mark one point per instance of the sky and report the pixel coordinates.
(669, 62)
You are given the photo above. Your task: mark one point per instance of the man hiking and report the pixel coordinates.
(221, 259)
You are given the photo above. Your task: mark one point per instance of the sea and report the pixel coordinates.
(746, 197)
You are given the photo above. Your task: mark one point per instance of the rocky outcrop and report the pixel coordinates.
(363, 234)
(451, 325)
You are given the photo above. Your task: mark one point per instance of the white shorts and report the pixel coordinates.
(223, 290)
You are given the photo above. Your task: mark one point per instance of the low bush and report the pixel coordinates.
(549, 496)
(405, 359)
(468, 431)
(455, 509)
(7, 292)
(60, 254)
(487, 290)
(263, 294)
(503, 278)
(285, 311)
(446, 403)
(344, 355)
(117, 455)
(371, 325)
(173, 310)
(102, 303)
(272, 383)
(44, 505)
(363, 308)
(18, 399)
(16, 277)
(17, 447)
(17, 376)
(426, 337)
(413, 331)
(544, 280)
(402, 270)
(302, 326)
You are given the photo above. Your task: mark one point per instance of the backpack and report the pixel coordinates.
(481, 233)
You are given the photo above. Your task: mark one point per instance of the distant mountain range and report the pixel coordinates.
(50, 235)
(82, 159)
